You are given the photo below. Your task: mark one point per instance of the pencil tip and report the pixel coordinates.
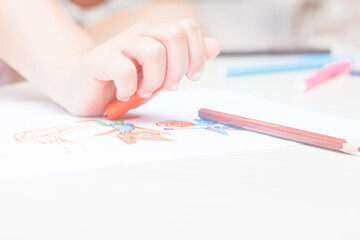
(349, 148)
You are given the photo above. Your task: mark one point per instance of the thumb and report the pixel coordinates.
(212, 48)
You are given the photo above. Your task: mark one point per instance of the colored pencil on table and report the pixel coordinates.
(355, 72)
(280, 131)
(329, 71)
(273, 51)
(306, 62)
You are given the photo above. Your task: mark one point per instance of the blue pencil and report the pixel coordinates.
(301, 63)
(355, 72)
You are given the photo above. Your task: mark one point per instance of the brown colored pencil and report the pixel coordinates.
(280, 131)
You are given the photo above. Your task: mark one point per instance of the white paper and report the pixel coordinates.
(39, 137)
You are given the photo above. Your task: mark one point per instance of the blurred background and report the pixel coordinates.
(245, 25)
(250, 24)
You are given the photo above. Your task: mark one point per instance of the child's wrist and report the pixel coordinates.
(62, 80)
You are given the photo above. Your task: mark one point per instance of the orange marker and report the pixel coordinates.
(118, 108)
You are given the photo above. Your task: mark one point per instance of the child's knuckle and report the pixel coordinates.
(177, 32)
(192, 25)
(157, 51)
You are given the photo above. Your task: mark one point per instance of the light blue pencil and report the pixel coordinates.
(355, 72)
(301, 63)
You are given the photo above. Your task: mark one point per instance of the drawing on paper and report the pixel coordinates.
(126, 132)
(196, 124)
(53, 135)
(129, 133)
(61, 136)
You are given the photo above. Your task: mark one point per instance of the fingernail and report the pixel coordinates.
(124, 99)
(196, 76)
(174, 86)
(146, 95)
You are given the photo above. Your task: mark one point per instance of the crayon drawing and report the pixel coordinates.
(53, 136)
(128, 133)
(196, 124)
(71, 137)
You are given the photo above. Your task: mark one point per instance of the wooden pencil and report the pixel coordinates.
(355, 72)
(280, 131)
(273, 51)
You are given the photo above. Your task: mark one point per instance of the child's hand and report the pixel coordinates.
(140, 60)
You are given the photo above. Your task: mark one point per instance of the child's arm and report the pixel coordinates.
(47, 48)
(40, 41)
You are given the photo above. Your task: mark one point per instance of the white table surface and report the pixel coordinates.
(296, 192)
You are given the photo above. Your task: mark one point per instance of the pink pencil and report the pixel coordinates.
(326, 73)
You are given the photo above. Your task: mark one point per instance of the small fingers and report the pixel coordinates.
(175, 40)
(212, 48)
(197, 50)
(126, 81)
(147, 56)
(151, 55)
(119, 69)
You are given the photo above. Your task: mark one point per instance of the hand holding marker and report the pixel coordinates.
(118, 108)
